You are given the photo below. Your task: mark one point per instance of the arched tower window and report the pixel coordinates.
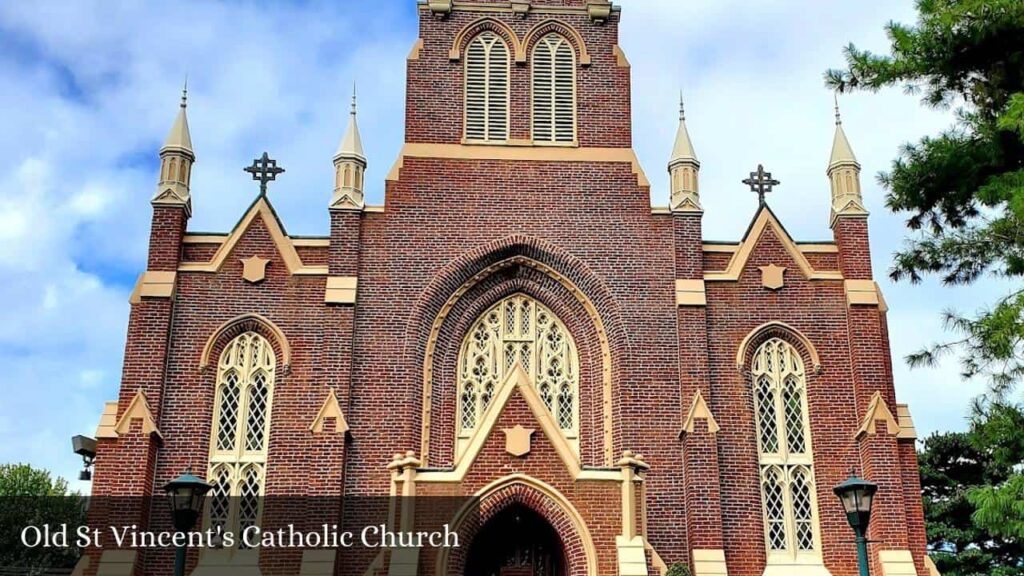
(784, 449)
(554, 90)
(241, 431)
(518, 330)
(487, 88)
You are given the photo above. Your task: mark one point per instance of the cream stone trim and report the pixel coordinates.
(282, 340)
(690, 293)
(699, 410)
(108, 421)
(329, 409)
(709, 562)
(565, 30)
(815, 569)
(906, 422)
(929, 565)
(496, 7)
(317, 562)
(203, 238)
(341, 290)
(414, 53)
(661, 210)
(116, 562)
(818, 248)
(589, 550)
(153, 284)
(765, 219)
(138, 409)
(862, 292)
(455, 53)
(897, 563)
(620, 57)
(435, 329)
(374, 209)
(259, 209)
(741, 352)
(311, 242)
(631, 556)
(878, 410)
(523, 153)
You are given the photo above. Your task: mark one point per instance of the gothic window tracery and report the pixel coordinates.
(554, 90)
(487, 88)
(518, 330)
(240, 433)
(785, 455)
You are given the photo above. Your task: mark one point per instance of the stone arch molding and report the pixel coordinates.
(520, 48)
(782, 330)
(455, 280)
(244, 323)
(542, 498)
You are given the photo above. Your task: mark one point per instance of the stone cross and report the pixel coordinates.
(264, 170)
(761, 182)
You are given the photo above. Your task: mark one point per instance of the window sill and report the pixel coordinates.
(796, 569)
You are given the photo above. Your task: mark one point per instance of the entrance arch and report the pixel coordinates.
(516, 542)
(519, 492)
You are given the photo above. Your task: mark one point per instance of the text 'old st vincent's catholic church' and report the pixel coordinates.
(516, 323)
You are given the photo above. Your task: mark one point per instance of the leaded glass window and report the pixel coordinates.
(518, 330)
(241, 429)
(784, 450)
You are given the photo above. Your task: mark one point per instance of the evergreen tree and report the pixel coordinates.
(31, 497)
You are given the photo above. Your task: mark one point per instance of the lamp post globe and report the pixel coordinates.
(857, 496)
(185, 495)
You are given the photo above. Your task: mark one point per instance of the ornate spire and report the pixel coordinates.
(349, 166)
(176, 159)
(179, 137)
(844, 175)
(683, 168)
(841, 150)
(351, 145)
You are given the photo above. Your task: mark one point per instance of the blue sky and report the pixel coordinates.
(91, 87)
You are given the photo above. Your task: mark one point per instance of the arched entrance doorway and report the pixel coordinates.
(516, 542)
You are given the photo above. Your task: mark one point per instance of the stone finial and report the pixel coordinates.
(176, 159)
(684, 169)
(844, 175)
(349, 166)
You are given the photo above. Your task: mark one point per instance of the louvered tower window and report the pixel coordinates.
(784, 449)
(518, 330)
(487, 88)
(554, 90)
(240, 432)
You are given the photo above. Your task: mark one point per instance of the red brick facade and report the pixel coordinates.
(460, 231)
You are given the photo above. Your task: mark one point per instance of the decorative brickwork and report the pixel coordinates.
(366, 327)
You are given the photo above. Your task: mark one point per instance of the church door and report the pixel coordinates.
(516, 542)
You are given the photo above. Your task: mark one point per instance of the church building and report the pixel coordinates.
(515, 325)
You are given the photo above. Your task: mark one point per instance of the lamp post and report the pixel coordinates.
(857, 495)
(185, 494)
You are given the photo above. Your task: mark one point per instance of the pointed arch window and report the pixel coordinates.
(785, 455)
(554, 90)
(518, 330)
(487, 89)
(241, 432)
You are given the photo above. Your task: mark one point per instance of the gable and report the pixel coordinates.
(260, 214)
(767, 228)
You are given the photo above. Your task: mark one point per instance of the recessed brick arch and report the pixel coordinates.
(471, 30)
(769, 330)
(578, 547)
(565, 30)
(227, 331)
(454, 281)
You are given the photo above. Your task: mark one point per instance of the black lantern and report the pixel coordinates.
(86, 448)
(857, 496)
(185, 494)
